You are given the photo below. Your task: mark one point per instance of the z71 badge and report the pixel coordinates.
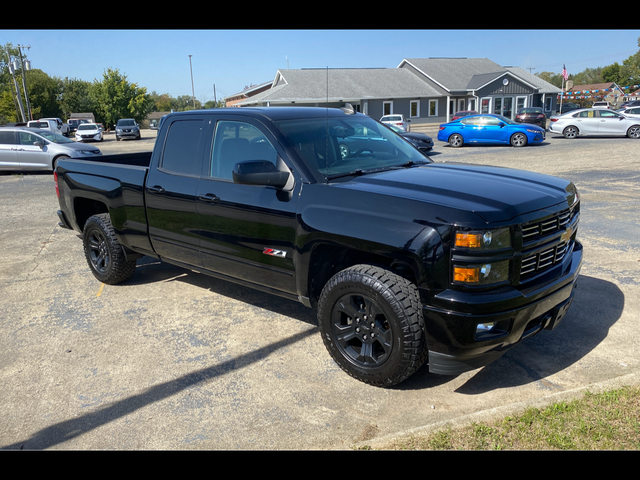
(274, 253)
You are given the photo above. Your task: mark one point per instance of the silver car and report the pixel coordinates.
(24, 148)
(594, 121)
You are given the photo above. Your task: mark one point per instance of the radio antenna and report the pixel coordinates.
(326, 141)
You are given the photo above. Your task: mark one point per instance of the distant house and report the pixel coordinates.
(427, 90)
(83, 116)
(609, 92)
(232, 100)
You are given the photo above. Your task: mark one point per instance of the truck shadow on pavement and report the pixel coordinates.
(150, 270)
(597, 306)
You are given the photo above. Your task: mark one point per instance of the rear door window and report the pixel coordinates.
(181, 148)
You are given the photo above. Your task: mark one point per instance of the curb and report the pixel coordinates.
(499, 412)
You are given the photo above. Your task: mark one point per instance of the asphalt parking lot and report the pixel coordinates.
(174, 359)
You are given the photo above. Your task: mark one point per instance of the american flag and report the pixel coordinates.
(565, 75)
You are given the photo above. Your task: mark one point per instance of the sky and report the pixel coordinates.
(224, 62)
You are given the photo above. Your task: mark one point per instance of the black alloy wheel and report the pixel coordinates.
(103, 251)
(372, 325)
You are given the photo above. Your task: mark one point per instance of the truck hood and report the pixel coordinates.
(496, 194)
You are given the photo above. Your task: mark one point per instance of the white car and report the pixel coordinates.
(396, 120)
(64, 128)
(88, 131)
(45, 124)
(594, 121)
(601, 105)
(633, 112)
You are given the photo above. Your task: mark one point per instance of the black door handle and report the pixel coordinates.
(156, 189)
(209, 198)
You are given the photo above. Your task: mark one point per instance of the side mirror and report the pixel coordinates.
(39, 143)
(259, 172)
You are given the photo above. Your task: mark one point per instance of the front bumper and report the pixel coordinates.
(451, 336)
(80, 138)
(128, 134)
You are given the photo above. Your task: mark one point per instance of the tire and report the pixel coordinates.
(518, 140)
(372, 325)
(634, 131)
(570, 132)
(104, 253)
(344, 151)
(55, 161)
(455, 140)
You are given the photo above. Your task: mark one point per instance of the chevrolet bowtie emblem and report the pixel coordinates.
(566, 235)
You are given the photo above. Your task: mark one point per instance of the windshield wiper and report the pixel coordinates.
(356, 172)
(411, 163)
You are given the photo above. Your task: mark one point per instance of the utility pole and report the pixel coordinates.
(15, 83)
(193, 95)
(24, 80)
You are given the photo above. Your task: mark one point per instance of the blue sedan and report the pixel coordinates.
(487, 128)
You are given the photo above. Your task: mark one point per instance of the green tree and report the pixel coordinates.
(45, 93)
(75, 97)
(588, 76)
(611, 73)
(213, 104)
(9, 102)
(630, 69)
(553, 78)
(115, 97)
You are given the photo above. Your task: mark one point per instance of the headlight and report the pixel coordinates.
(481, 270)
(481, 274)
(531, 130)
(484, 240)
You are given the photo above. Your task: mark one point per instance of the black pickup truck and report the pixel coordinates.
(405, 260)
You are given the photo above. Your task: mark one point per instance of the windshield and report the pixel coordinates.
(54, 137)
(355, 144)
(87, 126)
(126, 123)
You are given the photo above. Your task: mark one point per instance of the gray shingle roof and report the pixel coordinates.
(454, 73)
(344, 84)
(472, 73)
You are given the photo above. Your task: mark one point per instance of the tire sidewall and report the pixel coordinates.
(118, 269)
(344, 283)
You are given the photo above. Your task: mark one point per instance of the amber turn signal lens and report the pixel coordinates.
(466, 275)
(468, 240)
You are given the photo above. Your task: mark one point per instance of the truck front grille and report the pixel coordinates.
(543, 260)
(535, 230)
(552, 253)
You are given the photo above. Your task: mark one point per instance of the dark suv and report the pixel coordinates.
(630, 103)
(127, 128)
(567, 107)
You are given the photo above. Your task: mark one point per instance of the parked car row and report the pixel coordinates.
(27, 148)
(39, 144)
(595, 121)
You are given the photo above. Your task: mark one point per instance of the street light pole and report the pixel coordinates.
(193, 95)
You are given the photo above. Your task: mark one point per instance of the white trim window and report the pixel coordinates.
(433, 108)
(485, 103)
(414, 108)
(521, 102)
(387, 108)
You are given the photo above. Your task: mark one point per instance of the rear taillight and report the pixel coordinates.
(553, 119)
(442, 128)
(55, 178)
